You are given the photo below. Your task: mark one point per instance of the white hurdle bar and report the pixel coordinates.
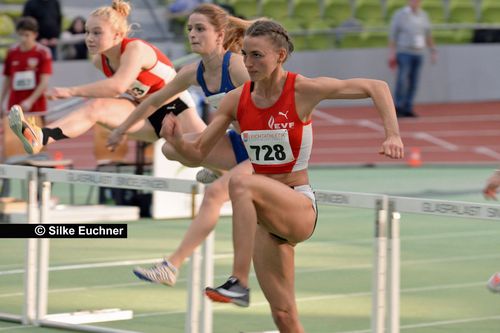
(115, 180)
(29, 174)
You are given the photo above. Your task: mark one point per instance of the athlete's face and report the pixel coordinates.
(414, 4)
(99, 35)
(202, 35)
(261, 56)
(27, 38)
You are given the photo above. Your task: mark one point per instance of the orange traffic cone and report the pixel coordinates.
(415, 159)
(58, 156)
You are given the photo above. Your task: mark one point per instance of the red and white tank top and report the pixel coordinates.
(276, 139)
(149, 80)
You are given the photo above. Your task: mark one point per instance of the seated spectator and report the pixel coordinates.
(73, 40)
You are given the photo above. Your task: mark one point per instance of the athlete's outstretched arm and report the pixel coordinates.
(137, 55)
(315, 90)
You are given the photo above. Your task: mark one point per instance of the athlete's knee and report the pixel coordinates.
(95, 109)
(170, 153)
(215, 194)
(239, 185)
(285, 320)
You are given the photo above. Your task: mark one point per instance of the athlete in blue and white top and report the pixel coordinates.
(213, 34)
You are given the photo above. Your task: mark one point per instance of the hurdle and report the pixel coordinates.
(380, 204)
(398, 205)
(387, 255)
(28, 315)
(138, 182)
(389, 212)
(37, 250)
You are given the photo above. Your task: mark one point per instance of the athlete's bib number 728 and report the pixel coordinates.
(268, 147)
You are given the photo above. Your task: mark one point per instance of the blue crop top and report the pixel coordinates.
(225, 85)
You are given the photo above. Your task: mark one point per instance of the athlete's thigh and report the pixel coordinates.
(274, 266)
(281, 209)
(115, 111)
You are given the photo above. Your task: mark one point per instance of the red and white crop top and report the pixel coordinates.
(149, 80)
(276, 139)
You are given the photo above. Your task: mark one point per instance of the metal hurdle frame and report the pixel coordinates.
(387, 246)
(446, 208)
(196, 307)
(386, 259)
(29, 174)
(380, 204)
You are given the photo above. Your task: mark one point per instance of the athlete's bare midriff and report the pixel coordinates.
(295, 178)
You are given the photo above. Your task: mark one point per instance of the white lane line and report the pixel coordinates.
(103, 264)
(328, 117)
(315, 244)
(435, 140)
(334, 296)
(371, 135)
(436, 323)
(298, 271)
(455, 119)
(487, 151)
(18, 327)
(370, 124)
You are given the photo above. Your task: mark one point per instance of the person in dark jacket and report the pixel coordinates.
(49, 17)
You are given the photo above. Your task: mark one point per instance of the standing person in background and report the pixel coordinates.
(274, 208)
(49, 16)
(27, 69)
(490, 192)
(410, 34)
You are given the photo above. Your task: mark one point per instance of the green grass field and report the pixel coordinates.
(445, 263)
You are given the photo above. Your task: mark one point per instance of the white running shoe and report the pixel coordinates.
(162, 273)
(27, 131)
(206, 176)
(494, 283)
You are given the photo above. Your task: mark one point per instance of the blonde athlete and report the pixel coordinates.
(214, 35)
(131, 66)
(274, 209)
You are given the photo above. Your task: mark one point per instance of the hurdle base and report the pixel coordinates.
(95, 316)
(82, 214)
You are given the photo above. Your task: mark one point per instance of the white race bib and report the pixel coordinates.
(138, 89)
(268, 147)
(24, 80)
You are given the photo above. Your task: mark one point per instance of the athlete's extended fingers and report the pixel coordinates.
(168, 127)
(490, 193)
(114, 140)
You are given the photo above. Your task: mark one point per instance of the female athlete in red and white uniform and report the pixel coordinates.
(276, 204)
(132, 66)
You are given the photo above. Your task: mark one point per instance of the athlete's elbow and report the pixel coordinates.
(118, 88)
(381, 85)
(375, 87)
